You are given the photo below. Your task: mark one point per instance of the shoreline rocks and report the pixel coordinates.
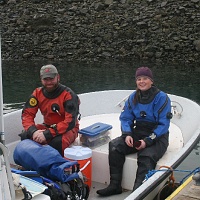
(87, 30)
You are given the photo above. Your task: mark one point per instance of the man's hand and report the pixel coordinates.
(38, 137)
(129, 141)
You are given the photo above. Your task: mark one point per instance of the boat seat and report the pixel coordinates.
(100, 167)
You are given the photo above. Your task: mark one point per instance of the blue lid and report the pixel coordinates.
(95, 129)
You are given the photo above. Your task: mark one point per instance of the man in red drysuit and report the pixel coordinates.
(59, 106)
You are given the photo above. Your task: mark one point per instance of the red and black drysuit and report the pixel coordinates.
(60, 110)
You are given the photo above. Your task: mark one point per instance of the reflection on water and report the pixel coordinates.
(21, 78)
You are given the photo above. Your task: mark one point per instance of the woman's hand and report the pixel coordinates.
(129, 141)
(142, 145)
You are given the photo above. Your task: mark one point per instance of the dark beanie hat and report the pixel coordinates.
(144, 71)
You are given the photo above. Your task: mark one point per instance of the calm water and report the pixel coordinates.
(20, 79)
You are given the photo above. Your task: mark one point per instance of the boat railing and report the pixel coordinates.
(176, 109)
(6, 164)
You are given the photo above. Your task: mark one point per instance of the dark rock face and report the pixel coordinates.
(87, 30)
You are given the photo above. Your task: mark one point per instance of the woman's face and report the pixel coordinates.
(143, 83)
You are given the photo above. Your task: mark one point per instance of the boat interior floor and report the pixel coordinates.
(96, 186)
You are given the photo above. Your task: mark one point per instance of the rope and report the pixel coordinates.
(171, 178)
(192, 172)
(152, 172)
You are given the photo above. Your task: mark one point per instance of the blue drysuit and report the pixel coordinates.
(154, 113)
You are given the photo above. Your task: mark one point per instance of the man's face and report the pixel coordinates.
(50, 84)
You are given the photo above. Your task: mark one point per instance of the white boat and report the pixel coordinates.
(105, 107)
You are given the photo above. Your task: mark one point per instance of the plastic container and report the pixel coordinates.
(95, 135)
(83, 155)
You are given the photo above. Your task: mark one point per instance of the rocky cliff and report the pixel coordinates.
(89, 30)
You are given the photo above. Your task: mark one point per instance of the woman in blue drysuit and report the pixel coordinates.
(145, 121)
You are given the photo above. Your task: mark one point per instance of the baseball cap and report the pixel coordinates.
(48, 71)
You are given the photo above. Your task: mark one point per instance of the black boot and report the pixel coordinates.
(116, 162)
(114, 187)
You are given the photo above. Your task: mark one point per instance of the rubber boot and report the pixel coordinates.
(113, 188)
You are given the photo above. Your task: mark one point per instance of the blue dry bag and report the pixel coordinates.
(44, 159)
